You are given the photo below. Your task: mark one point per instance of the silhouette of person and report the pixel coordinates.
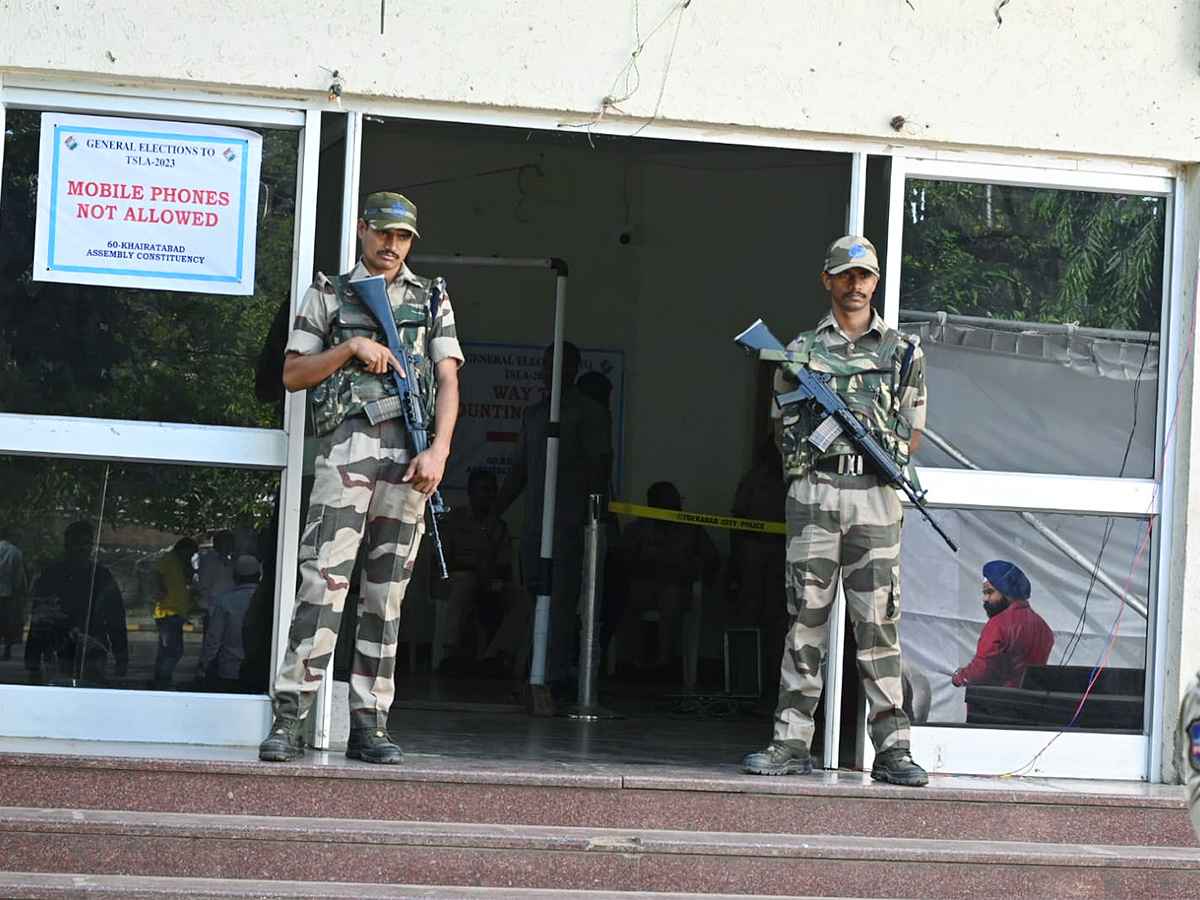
(222, 653)
(77, 615)
(14, 591)
(477, 547)
(172, 605)
(665, 559)
(214, 574)
(584, 464)
(754, 577)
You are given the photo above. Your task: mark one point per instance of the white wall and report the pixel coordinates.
(1183, 620)
(1104, 77)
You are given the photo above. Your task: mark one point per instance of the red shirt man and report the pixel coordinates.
(1014, 637)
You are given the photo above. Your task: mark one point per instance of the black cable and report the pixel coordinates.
(1077, 631)
(521, 168)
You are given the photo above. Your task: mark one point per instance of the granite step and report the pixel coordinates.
(645, 797)
(40, 886)
(160, 844)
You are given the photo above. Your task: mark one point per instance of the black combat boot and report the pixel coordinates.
(373, 745)
(285, 741)
(780, 758)
(896, 766)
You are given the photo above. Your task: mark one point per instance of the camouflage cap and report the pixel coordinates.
(849, 252)
(386, 210)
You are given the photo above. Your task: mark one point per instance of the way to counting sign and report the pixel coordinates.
(147, 204)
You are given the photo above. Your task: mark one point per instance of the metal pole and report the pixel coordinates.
(502, 262)
(586, 708)
(587, 644)
(855, 215)
(541, 617)
(1108, 334)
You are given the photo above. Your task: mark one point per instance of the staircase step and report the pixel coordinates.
(643, 797)
(536, 856)
(40, 886)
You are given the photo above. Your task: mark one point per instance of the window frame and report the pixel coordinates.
(134, 715)
(1136, 756)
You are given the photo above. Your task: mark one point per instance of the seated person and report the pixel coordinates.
(1013, 637)
(77, 615)
(663, 560)
(754, 574)
(477, 548)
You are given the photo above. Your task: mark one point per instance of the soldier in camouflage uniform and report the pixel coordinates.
(1189, 732)
(366, 480)
(843, 520)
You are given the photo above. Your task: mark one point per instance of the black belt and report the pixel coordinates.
(846, 464)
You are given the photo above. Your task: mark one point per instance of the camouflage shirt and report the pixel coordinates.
(890, 416)
(319, 325)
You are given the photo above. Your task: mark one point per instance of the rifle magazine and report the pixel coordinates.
(383, 409)
(825, 434)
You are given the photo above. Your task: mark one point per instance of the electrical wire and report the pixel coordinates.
(632, 75)
(662, 88)
(524, 167)
(1145, 530)
(1077, 631)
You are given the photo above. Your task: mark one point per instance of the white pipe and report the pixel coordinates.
(508, 262)
(541, 615)
(541, 621)
(836, 642)
(1111, 334)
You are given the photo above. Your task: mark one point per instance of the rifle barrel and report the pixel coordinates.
(759, 337)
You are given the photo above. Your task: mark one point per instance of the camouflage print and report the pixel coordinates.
(357, 490)
(326, 319)
(1189, 733)
(847, 525)
(867, 375)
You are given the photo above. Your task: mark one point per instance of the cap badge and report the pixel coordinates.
(857, 251)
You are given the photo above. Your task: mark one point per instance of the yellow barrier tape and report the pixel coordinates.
(675, 515)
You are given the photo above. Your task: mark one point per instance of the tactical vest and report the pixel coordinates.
(869, 381)
(347, 391)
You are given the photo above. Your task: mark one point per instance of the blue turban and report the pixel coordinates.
(1007, 579)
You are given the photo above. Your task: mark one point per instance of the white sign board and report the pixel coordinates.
(496, 384)
(144, 204)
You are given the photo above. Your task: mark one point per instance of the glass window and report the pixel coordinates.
(1019, 674)
(127, 576)
(102, 352)
(1039, 312)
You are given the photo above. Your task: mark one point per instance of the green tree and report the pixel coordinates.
(82, 350)
(1034, 254)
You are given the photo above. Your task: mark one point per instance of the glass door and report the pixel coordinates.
(1039, 296)
(145, 449)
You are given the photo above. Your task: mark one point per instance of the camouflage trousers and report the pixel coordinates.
(357, 491)
(847, 525)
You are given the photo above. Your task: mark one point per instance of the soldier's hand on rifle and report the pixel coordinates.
(426, 470)
(375, 356)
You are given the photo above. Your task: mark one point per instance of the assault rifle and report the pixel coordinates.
(372, 291)
(838, 418)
